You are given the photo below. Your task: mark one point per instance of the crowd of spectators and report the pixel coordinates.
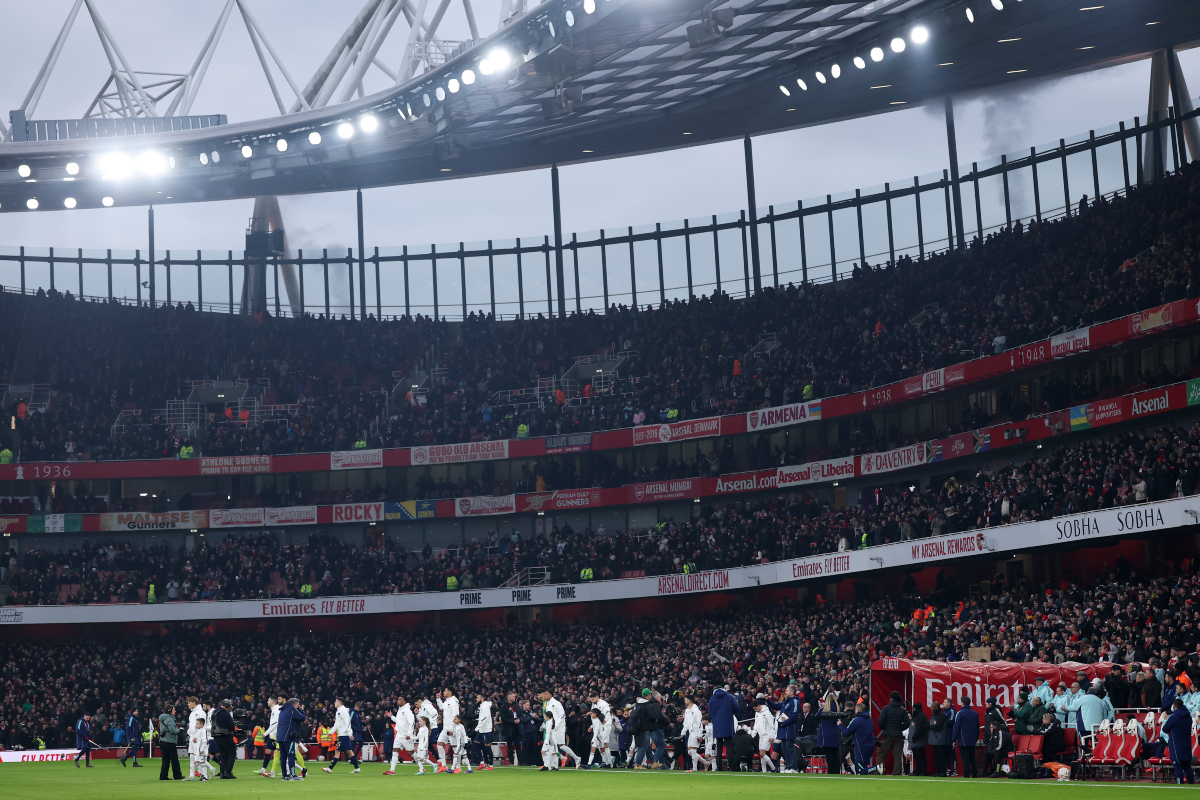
(1128, 468)
(328, 377)
(1150, 625)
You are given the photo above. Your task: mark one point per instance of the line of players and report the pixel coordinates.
(414, 731)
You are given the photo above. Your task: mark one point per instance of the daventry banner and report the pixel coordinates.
(1099, 526)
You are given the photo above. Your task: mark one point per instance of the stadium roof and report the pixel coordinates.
(644, 87)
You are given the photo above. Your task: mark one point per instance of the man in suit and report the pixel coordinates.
(966, 736)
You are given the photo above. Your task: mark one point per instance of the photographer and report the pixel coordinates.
(223, 729)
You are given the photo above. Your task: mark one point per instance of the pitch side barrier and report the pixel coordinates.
(1105, 526)
(1160, 319)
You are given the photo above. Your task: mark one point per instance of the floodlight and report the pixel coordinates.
(216, 157)
(204, 159)
(468, 77)
(69, 202)
(171, 162)
(247, 151)
(314, 138)
(24, 171)
(281, 145)
(859, 62)
(499, 58)
(998, 5)
(919, 35)
(836, 71)
(570, 17)
(970, 15)
(785, 91)
(486, 67)
(115, 165)
(440, 93)
(589, 6)
(803, 86)
(877, 54)
(453, 85)
(151, 163)
(345, 130)
(550, 27)
(368, 124)
(31, 203)
(72, 168)
(106, 202)
(425, 99)
(897, 45)
(820, 76)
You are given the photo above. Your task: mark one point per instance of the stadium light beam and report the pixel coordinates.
(897, 45)
(247, 151)
(24, 171)
(877, 54)
(69, 202)
(72, 168)
(835, 70)
(314, 138)
(115, 166)
(368, 124)
(919, 35)
(31, 203)
(970, 15)
(785, 91)
(803, 86)
(106, 202)
(345, 130)
(821, 76)
(859, 62)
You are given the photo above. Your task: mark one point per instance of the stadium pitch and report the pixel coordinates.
(109, 779)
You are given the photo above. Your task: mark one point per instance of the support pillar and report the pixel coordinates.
(150, 218)
(752, 215)
(558, 255)
(1183, 105)
(955, 191)
(362, 265)
(1157, 142)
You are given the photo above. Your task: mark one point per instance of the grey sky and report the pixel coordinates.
(690, 182)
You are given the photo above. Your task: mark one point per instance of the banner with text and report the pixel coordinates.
(485, 506)
(674, 432)
(816, 472)
(779, 416)
(150, 521)
(236, 518)
(914, 455)
(235, 465)
(459, 453)
(355, 459)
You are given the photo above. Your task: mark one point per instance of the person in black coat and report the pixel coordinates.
(1054, 744)
(806, 729)
(893, 722)
(510, 727)
(999, 745)
(223, 730)
(918, 738)
(1178, 729)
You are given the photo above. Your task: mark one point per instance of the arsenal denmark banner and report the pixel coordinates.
(484, 506)
(459, 453)
(692, 429)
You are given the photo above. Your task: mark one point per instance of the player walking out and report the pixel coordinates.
(345, 734)
(458, 745)
(404, 722)
(421, 758)
(198, 766)
(483, 731)
(693, 725)
(448, 703)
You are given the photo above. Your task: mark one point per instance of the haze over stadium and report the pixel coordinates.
(901, 480)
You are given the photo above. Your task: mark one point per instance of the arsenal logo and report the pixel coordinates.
(639, 491)
(753, 420)
(419, 454)
(464, 505)
(664, 433)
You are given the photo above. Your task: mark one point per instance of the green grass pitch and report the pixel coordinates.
(108, 779)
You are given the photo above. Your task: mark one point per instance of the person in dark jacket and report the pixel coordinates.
(1054, 744)
(510, 728)
(723, 710)
(742, 747)
(939, 738)
(806, 729)
(829, 739)
(223, 730)
(168, 738)
(999, 745)
(83, 739)
(529, 732)
(966, 736)
(1178, 730)
(133, 737)
(918, 739)
(650, 721)
(861, 732)
(287, 732)
(789, 711)
(893, 721)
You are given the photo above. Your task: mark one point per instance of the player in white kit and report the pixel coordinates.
(421, 757)
(710, 744)
(601, 728)
(198, 751)
(405, 723)
(448, 704)
(458, 746)
(554, 745)
(764, 729)
(693, 726)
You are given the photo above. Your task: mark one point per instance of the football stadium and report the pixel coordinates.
(894, 485)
